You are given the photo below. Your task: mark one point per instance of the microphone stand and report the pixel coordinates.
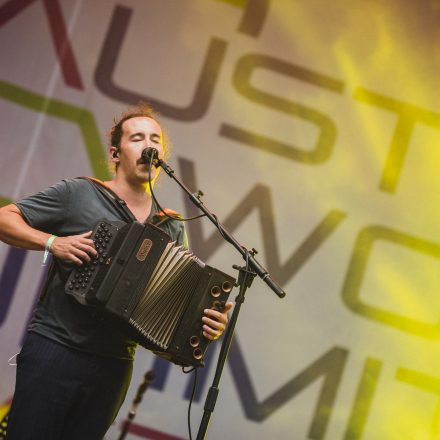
(245, 278)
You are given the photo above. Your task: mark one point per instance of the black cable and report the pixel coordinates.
(220, 229)
(217, 223)
(193, 392)
(158, 204)
(247, 269)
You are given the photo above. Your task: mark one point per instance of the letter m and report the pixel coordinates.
(330, 367)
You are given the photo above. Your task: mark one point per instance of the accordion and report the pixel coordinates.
(157, 289)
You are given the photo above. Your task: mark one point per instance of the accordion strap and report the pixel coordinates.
(112, 197)
(156, 219)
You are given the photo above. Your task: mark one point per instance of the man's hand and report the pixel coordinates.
(214, 322)
(75, 248)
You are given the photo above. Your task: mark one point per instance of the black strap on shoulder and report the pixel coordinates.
(112, 197)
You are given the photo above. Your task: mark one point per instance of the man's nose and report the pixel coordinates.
(150, 144)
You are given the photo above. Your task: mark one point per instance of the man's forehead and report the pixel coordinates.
(141, 124)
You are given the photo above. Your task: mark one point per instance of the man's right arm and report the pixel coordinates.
(16, 232)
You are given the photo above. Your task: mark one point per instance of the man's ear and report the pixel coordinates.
(114, 154)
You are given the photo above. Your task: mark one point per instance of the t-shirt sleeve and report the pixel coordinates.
(47, 210)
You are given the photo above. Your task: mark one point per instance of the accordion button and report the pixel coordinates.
(215, 291)
(226, 286)
(194, 341)
(197, 353)
(218, 305)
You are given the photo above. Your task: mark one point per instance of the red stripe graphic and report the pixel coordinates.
(151, 434)
(11, 8)
(60, 38)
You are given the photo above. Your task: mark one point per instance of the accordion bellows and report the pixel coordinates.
(157, 289)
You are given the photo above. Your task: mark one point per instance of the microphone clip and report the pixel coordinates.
(149, 154)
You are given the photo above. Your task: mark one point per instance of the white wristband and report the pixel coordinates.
(47, 247)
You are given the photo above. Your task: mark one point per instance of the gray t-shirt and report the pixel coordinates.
(73, 207)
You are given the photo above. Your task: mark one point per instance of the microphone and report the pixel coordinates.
(147, 154)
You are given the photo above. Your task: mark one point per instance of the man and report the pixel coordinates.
(75, 365)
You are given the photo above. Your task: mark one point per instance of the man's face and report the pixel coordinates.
(137, 134)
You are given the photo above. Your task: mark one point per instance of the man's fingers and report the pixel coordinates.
(214, 322)
(75, 260)
(210, 333)
(89, 242)
(90, 245)
(87, 247)
(81, 254)
(228, 306)
(215, 314)
(75, 248)
(215, 325)
(85, 234)
(86, 241)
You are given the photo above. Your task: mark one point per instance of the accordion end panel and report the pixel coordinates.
(174, 331)
(189, 347)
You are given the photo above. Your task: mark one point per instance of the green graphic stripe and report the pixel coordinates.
(4, 201)
(239, 3)
(53, 107)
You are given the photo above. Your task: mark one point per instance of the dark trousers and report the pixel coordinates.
(64, 394)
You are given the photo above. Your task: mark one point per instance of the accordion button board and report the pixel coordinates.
(157, 289)
(82, 279)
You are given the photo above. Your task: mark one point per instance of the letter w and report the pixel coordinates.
(258, 198)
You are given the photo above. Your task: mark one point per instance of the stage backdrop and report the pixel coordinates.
(312, 127)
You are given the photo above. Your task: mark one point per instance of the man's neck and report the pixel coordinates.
(132, 193)
(137, 199)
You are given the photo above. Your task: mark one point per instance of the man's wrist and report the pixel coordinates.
(47, 247)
